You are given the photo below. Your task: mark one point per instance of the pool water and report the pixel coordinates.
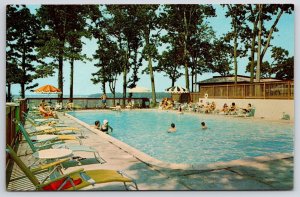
(227, 138)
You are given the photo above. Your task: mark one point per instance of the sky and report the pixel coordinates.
(83, 71)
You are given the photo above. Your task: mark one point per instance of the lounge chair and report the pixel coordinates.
(75, 180)
(58, 106)
(50, 144)
(248, 114)
(37, 121)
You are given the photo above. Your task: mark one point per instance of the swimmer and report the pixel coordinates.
(104, 127)
(97, 124)
(203, 125)
(172, 128)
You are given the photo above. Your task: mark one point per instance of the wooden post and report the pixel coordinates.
(227, 92)
(289, 90)
(264, 90)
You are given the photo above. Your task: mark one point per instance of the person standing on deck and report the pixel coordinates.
(103, 100)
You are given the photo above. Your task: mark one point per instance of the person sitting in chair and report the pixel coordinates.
(232, 108)
(46, 113)
(247, 109)
(70, 105)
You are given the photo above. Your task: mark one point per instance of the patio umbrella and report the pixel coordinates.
(177, 89)
(48, 89)
(138, 90)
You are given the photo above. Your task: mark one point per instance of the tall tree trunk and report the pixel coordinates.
(23, 80)
(270, 34)
(8, 97)
(22, 90)
(253, 50)
(196, 82)
(103, 87)
(235, 55)
(152, 81)
(185, 53)
(60, 72)
(71, 79)
(124, 84)
(259, 45)
(193, 73)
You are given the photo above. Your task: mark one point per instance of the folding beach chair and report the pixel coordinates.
(50, 144)
(75, 180)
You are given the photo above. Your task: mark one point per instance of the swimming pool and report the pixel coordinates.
(225, 139)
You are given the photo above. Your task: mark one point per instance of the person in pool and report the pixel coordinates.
(172, 128)
(104, 127)
(97, 124)
(203, 125)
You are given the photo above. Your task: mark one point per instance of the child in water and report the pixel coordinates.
(97, 124)
(172, 128)
(203, 125)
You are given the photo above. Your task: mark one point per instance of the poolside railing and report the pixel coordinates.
(88, 103)
(262, 90)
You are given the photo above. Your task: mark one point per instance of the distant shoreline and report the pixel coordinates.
(159, 95)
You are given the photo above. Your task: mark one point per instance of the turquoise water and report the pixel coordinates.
(225, 139)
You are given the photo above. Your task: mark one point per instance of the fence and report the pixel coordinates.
(263, 90)
(88, 103)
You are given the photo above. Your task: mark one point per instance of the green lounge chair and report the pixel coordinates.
(75, 180)
(49, 144)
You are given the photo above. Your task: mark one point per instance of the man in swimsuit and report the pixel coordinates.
(103, 97)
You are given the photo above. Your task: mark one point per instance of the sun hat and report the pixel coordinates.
(105, 121)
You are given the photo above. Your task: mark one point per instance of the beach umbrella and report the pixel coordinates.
(177, 89)
(48, 89)
(138, 90)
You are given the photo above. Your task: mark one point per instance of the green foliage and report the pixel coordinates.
(282, 66)
(169, 63)
(63, 27)
(22, 30)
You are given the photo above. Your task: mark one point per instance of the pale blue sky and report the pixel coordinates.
(82, 74)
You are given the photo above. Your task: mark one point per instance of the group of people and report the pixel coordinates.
(104, 127)
(208, 108)
(166, 103)
(233, 109)
(173, 129)
(45, 110)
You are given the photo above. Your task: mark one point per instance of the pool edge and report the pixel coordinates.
(161, 164)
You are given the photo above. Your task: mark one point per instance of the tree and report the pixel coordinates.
(22, 29)
(59, 23)
(259, 15)
(123, 20)
(221, 55)
(109, 65)
(237, 13)
(182, 21)
(148, 24)
(282, 66)
(200, 51)
(74, 47)
(169, 63)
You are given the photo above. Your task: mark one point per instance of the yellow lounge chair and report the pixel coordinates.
(82, 177)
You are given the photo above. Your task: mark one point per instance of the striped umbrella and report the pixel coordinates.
(177, 89)
(48, 89)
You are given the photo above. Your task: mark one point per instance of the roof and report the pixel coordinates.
(230, 79)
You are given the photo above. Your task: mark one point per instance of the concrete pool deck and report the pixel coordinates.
(261, 173)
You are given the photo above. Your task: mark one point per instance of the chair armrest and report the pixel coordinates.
(59, 177)
(49, 165)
